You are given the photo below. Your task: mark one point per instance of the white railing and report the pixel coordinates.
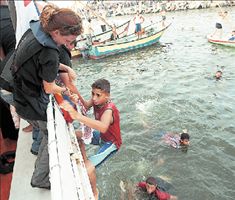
(68, 174)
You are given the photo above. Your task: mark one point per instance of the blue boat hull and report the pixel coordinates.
(123, 45)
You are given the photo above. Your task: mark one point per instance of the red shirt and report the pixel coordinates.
(158, 193)
(113, 134)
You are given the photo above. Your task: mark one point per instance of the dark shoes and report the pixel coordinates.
(34, 152)
(46, 186)
(7, 162)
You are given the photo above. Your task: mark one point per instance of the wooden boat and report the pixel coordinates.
(121, 29)
(224, 42)
(101, 37)
(150, 36)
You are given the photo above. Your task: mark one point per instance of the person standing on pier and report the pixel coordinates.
(33, 83)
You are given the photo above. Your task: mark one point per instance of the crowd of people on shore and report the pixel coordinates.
(121, 8)
(107, 9)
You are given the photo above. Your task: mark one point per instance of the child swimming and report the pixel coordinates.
(177, 140)
(218, 75)
(151, 187)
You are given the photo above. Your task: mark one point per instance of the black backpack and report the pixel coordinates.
(27, 47)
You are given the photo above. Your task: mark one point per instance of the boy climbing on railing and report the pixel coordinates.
(106, 123)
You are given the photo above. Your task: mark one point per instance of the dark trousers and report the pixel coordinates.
(6, 122)
(41, 172)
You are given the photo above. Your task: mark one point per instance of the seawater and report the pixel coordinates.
(170, 87)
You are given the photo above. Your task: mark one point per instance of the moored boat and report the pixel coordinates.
(121, 30)
(224, 42)
(150, 36)
(100, 37)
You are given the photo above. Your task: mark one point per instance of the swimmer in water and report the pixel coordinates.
(218, 75)
(151, 187)
(177, 140)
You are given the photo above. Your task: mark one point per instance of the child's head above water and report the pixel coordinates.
(184, 139)
(151, 184)
(218, 74)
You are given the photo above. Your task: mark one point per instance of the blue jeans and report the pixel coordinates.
(37, 138)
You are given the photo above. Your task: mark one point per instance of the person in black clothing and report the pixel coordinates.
(7, 46)
(64, 58)
(34, 76)
(7, 36)
(63, 80)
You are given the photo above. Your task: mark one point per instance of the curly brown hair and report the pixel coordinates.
(63, 19)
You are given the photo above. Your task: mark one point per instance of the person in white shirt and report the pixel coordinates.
(138, 20)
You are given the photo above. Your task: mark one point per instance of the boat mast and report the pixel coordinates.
(96, 14)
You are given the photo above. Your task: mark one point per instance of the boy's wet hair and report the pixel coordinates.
(151, 181)
(101, 84)
(184, 136)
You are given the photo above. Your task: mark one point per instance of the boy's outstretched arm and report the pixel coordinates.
(101, 126)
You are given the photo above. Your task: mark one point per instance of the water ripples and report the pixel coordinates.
(170, 87)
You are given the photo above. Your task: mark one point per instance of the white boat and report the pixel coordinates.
(224, 42)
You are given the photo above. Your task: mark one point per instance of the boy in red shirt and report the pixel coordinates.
(107, 132)
(150, 186)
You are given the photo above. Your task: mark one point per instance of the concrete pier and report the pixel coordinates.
(23, 170)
